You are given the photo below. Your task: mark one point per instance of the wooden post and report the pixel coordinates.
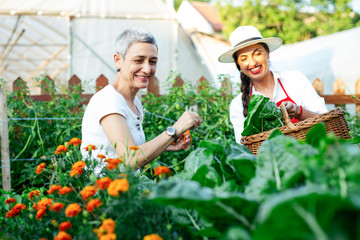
(101, 82)
(339, 89)
(202, 83)
(226, 87)
(178, 82)
(4, 134)
(318, 86)
(153, 86)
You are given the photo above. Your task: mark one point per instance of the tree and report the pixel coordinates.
(291, 20)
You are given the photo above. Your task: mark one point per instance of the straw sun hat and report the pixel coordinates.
(245, 36)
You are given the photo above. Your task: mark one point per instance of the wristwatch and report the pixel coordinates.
(171, 131)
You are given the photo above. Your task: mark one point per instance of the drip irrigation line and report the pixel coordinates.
(170, 120)
(32, 119)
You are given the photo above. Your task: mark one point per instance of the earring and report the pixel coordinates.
(118, 70)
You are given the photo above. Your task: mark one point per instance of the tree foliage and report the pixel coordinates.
(292, 21)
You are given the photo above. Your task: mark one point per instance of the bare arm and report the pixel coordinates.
(117, 131)
(295, 111)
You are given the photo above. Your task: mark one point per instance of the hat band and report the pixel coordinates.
(248, 40)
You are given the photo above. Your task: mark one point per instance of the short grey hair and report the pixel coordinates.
(130, 36)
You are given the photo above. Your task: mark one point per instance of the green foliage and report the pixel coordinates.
(162, 111)
(263, 115)
(38, 138)
(292, 21)
(290, 185)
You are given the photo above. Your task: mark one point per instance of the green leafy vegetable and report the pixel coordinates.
(263, 115)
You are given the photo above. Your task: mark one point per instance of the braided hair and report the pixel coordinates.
(245, 84)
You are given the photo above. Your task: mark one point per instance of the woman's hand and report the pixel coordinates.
(183, 143)
(292, 109)
(188, 120)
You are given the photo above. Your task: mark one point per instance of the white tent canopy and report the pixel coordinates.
(328, 58)
(62, 38)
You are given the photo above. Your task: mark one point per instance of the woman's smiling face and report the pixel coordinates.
(139, 64)
(254, 61)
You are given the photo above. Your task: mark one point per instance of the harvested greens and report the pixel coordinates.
(263, 115)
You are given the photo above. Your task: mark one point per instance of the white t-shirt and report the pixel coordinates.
(298, 88)
(105, 102)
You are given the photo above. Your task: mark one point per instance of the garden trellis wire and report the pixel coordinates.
(2, 122)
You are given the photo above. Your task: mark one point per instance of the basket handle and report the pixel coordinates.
(287, 118)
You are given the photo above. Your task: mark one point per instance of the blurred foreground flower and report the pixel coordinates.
(153, 236)
(161, 170)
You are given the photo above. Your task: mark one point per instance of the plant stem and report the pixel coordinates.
(310, 221)
(231, 211)
(276, 173)
(192, 220)
(342, 183)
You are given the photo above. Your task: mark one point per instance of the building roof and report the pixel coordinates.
(210, 13)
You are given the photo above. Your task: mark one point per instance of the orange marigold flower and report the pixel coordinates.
(113, 163)
(99, 231)
(34, 193)
(72, 210)
(77, 168)
(161, 170)
(65, 226)
(103, 183)
(135, 148)
(87, 192)
(57, 207)
(53, 188)
(101, 156)
(42, 239)
(93, 203)
(63, 236)
(75, 141)
(108, 236)
(15, 210)
(61, 149)
(42, 204)
(65, 190)
(10, 200)
(118, 185)
(40, 167)
(18, 207)
(90, 147)
(40, 213)
(11, 214)
(153, 236)
(109, 225)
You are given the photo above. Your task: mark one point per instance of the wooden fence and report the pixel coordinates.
(338, 98)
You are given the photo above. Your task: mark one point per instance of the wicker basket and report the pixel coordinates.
(334, 122)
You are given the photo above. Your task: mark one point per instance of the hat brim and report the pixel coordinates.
(273, 43)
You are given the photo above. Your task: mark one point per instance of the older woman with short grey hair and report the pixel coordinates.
(113, 118)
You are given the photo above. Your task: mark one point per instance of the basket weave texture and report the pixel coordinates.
(334, 122)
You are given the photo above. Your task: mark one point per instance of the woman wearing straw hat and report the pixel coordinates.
(251, 52)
